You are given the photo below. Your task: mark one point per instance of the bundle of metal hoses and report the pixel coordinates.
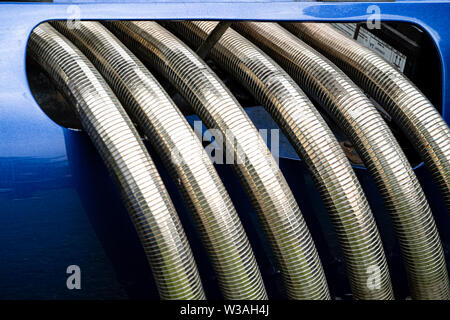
(181, 150)
(409, 108)
(257, 170)
(110, 88)
(315, 144)
(127, 159)
(403, 196)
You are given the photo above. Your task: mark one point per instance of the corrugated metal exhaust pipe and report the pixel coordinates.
(409, 108)
(316, 145)
(259, 173)
(181, 150)
(405, 201)
(127, 159)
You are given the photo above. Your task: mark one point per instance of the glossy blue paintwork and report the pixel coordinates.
(58, 206)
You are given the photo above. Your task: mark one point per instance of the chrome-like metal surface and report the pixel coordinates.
(410, 109)
(316, 145)
(181, 151)
(404, 198)
(127, 159)
(259, 173)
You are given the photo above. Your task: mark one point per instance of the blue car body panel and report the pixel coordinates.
(58, 206)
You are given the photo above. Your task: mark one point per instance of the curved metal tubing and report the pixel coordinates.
(404, 198)
(316, 145)
(273, 200)
(409, 107)
(127, 159)
(179, 147)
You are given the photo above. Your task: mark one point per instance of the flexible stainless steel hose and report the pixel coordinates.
(316, 145)
(409, 108)
(121, 148)
(273, 200)
(404, 198)
(181, 150)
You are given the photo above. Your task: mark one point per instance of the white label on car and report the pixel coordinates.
(366, 38)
